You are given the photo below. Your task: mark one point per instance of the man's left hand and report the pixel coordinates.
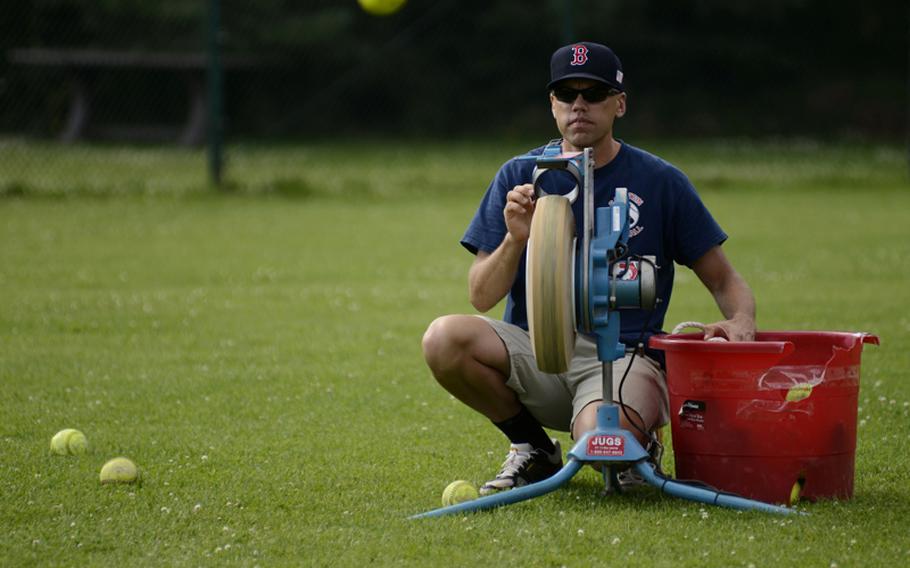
(736, 329)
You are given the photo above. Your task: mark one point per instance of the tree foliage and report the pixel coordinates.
(436, 68)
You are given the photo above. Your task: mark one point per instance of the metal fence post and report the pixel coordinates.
(215, 94)
(568, 22)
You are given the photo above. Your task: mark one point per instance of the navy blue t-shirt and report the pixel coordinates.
(667, 220)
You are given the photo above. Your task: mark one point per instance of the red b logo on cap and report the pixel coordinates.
(579, 55)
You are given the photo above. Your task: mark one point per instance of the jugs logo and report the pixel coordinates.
(607, 441)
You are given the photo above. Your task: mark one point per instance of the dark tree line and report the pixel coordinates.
(447, 67)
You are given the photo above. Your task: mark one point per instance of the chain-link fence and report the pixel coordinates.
(81, 79)
(126, 95)
(115, 95)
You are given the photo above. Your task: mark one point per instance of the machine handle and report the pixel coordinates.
(567, 165)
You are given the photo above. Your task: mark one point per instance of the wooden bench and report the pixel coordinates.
(80, 63)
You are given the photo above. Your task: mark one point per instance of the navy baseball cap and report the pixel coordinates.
(585, 60)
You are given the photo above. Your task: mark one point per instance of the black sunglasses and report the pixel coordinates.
(595, 94)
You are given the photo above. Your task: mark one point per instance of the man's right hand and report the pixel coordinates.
(518, 212)
(493, 274)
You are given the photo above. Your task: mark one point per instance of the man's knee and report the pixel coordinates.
(445, 342)
(454, 342)
(629, 420)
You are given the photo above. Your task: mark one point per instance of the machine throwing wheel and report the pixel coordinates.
(550, 283)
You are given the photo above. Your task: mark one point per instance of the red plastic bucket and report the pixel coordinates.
(756, 417)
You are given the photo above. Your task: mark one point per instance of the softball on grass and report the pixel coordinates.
(458, 492)
(381, 7)
(69, 441)
(795, 491)
(119, 470)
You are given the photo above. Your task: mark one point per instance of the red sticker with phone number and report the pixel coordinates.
(609, 446)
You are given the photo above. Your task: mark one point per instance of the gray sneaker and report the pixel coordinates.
(523, 466)
(630, 479)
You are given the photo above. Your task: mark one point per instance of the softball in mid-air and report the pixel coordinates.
(381, 7)
(69, 441)
(458, 492)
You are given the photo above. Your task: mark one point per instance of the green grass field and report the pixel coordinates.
(257, 354)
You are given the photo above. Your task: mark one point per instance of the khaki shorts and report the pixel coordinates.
(555, 400)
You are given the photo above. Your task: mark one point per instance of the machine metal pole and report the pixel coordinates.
(608, 382)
